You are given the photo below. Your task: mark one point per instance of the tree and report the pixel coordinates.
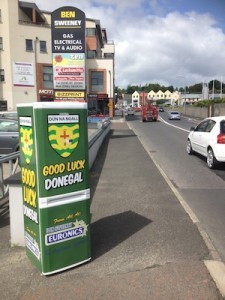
(119, 93)
(131, 89)
(193, 89)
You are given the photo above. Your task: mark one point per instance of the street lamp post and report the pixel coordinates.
(111, 106)
(184, 99)
(35, 63)
(143, 98)
(184, 102)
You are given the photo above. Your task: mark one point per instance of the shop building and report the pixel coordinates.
(26, 73)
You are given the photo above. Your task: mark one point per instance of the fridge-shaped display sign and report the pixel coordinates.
(55, 184)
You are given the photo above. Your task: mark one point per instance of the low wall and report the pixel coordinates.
(217, 109)
(195, 112)
(96, 139)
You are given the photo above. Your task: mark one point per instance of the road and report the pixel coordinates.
(201, 188)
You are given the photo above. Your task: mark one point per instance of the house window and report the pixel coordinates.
(90, 32)
(47, 77)
(2, 75)
(1, 43)
(29, 45)
(91, 54)
(108, 55)
(43, 46)
(97, 81)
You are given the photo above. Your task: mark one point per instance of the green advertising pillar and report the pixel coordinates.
(55, 184)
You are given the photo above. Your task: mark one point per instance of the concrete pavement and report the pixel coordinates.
(144, 244)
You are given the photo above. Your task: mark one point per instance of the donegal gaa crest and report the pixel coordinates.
(63, 133)
(26, 139)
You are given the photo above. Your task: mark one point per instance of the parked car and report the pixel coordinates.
(137, 109)
(208, 139)
(130, 111)
(9, 115)
(9, 136)
(161, 108)
(174, 115)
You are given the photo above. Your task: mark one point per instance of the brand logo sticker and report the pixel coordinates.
(63, 133)
(26, 138)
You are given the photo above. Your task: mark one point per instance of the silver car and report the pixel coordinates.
(9, 136)
(9, 115)
(174, 115)
(130, 111)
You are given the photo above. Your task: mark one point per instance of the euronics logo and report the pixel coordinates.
(66, 235)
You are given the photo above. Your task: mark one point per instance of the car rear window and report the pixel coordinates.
(222, 126)
(10, 115)
(8, 126)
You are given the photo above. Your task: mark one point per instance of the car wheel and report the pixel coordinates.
(189, 147)
(211, 160)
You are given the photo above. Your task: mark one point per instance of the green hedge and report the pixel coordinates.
(206, 103)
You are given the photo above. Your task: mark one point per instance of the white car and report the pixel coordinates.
(130, 111)
(208, 139)
(174, 115)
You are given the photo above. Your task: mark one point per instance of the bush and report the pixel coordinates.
(206, 103)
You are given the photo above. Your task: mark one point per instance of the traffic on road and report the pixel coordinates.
(201, 187)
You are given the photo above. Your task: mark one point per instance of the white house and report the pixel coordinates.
(135, 99)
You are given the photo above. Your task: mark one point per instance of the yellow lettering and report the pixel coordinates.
(82, 162)
(53, 169)
(75, 165)
(69, 217)
(30, 196)
(58, 220)
(28, 177)
(77, 214)
(67, 14)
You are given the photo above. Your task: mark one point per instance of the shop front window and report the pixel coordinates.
(48, 77)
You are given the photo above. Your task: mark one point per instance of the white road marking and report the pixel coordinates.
(169, 124)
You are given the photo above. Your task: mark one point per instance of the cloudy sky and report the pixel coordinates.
(170, 42)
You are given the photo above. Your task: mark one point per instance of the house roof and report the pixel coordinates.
(99, 30)
(32, 11)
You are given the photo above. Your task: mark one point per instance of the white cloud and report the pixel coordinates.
(173, 49)
(162, 49)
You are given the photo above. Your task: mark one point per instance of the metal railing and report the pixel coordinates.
(9, 165)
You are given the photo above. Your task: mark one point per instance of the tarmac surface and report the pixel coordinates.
(144, 244)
